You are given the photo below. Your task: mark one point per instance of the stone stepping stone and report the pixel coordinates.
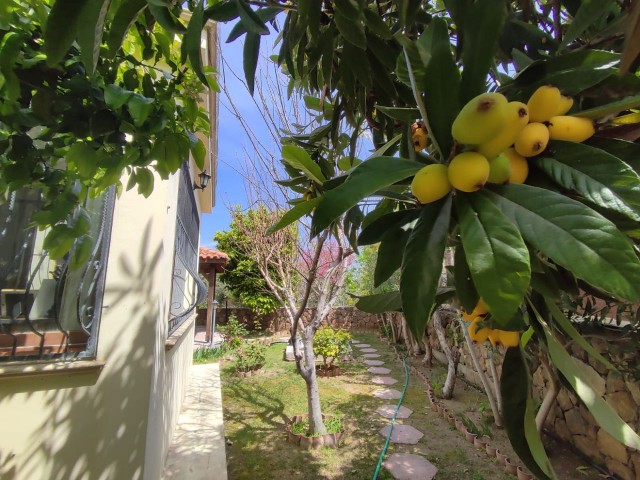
(378, 370)
(371, 355)
(384, 380)
(408, 466)
(387, 411)
(403, 434)
(387, 393)
(368, 350)
(355, 342)
(373, 363)
(363, 345)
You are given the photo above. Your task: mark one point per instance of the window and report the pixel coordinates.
(47, 309)
(187, 290)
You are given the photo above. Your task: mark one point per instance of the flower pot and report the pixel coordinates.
(459, 425)
(491, 451)
(434, 407)
(481, 442)
(522, 475)
(329, 439)
(502, 458)
(451, 419)
(469, 436)
(510, 467)
(441, 410)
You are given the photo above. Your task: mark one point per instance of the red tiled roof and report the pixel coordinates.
(209, 255)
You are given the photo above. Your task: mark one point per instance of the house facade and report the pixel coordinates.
(94, 360)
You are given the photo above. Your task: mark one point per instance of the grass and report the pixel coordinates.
(257, 408)
(208, 354)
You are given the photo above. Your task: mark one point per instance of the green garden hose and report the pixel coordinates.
(393, 419)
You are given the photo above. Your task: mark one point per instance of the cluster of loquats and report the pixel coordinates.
(500, 135)
(495, 336)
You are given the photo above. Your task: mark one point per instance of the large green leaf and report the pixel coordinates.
(90, 30)
(519, 415)
(571, 73)
(589, 14)
(481, 30)
(610, 108)
(628, 152)
(166, 19)
(567, 327)
(251, 53)
(376, 229)
(61, 29)
(400, 113)
(441, 86)
(366, 179)
(299, 159)
(264, 14)
(192, 41)
(598, 176)
(125, 15)
(603, 413)
(389, 253)
(465, 288)
(422, 264)
(574, 236)
(380, 302)
(251, 21)
(496, 254)
(294, 214)
(349, 20)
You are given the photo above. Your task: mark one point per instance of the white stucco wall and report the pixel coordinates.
(115, 423)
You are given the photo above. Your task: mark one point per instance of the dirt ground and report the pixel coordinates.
(471, 402)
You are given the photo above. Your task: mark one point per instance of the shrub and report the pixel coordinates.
(209, 355)
(233, 332)
(250, 356)
(331, 344)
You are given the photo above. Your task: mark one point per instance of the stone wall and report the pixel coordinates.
(569, 419)
(348, 318)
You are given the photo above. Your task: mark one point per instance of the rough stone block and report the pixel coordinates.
(562, 430)
(623, 403)
(634, 390)
(575, 422)
(615, 382)
(624, 472)
(564, 400)
(610, 447)
(588, 447)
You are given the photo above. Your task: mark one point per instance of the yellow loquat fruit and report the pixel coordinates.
(468, 171)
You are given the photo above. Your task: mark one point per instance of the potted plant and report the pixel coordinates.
(330, 344)
(250, 357)
(298, 432)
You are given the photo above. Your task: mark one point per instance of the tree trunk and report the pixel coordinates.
(550, 396)
(452, 358)
(308, 372)
(428, 353)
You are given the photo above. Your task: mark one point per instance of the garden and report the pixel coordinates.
(259, 411)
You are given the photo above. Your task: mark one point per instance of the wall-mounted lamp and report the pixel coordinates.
(204, 180)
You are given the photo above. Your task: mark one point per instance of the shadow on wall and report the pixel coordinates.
(91, 426)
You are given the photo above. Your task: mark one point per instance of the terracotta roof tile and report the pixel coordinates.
(209, 255)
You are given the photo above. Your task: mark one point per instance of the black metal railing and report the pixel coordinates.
(48, 310)
(188, 290)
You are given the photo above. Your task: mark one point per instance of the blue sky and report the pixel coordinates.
(230, 187)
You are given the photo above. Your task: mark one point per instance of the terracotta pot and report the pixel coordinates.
(434, 407)
(491, 451)
(511, 468)
(469, 436)
(522, 475)
(502, 458)
(481, 442)
(451, 419)
(441, 410)
(329, 440)
(459, 425)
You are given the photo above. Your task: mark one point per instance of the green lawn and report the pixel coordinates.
(257, 408)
